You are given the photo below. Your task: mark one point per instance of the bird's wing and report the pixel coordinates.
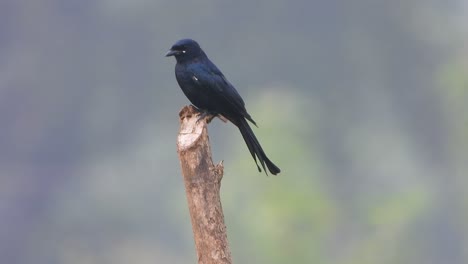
(208, 77)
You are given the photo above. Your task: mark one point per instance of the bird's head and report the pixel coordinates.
(185, 49)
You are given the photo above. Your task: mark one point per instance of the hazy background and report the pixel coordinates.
(363, 105)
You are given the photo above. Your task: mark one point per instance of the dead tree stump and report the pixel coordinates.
(202, 185)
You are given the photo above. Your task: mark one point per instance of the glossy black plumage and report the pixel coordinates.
(208, 90)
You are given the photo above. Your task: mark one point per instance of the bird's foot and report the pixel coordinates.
(205, 114)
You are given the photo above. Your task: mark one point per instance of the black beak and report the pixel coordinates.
(172, 53)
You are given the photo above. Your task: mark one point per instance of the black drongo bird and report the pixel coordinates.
(210, 92)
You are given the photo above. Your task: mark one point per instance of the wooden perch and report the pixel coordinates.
(202, 184)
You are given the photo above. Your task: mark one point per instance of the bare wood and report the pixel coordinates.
(202, 184)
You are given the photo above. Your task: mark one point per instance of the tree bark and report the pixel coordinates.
(202, 184)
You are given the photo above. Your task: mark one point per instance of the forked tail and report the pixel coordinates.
(255, 149)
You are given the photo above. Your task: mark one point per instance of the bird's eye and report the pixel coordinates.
(182, 49)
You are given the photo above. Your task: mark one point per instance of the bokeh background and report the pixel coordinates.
(363, 104)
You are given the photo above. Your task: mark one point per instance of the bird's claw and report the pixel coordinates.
(203, 115)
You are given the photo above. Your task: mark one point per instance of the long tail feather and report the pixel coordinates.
(255, 149)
